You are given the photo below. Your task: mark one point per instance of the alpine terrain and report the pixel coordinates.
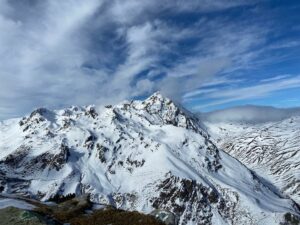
(155, 157)
(271, 149)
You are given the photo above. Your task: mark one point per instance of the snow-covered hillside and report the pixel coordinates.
(139, 155)
(271, 149)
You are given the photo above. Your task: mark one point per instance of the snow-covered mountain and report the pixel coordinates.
(147, 155)
(271, 149)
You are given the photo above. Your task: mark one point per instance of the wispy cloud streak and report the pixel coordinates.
(56, 53)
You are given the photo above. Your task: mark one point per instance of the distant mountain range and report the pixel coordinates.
(270, 149)
(156, 157)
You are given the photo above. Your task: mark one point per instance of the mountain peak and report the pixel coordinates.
(145, 156)
(157, 94)
(157, 97)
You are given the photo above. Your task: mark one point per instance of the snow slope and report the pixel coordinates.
(6, 202)
(270, 149)
(139, 155)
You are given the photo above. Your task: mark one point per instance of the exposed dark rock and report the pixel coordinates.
(52, 161)
(135, 163)
(90, 141)
(291, 219)
(62, 198)
(91, 111)
(187, 199)
(101, 152)
(39, 111)
(166, 217)
(15, 159)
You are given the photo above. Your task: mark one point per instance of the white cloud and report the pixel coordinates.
(55, 53)
(222, 96)
(274, 78)
(250, 114)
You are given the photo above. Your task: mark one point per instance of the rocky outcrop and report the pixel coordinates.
(150, 155)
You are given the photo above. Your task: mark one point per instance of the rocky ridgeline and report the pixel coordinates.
(151, 156)
(270, 149)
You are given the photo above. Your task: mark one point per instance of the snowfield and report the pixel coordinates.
(7, 202)
(271, 149)
(139, 155)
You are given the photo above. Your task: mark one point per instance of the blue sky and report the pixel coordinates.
(206, 54)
